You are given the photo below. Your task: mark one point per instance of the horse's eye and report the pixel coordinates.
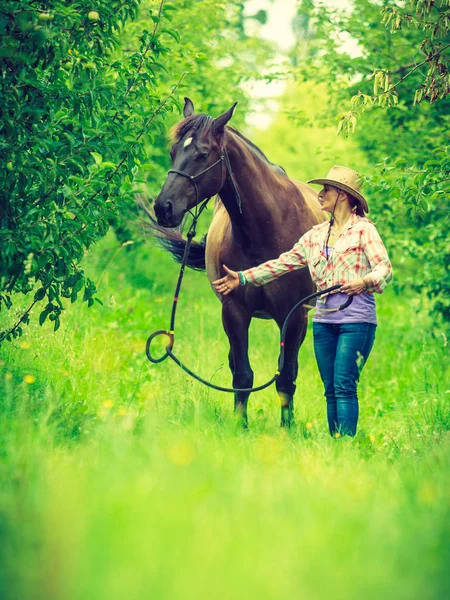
(201, 156)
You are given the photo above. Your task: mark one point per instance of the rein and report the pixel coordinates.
(171, 332)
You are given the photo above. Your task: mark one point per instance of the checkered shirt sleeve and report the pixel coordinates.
(292, 260)
(381, 269)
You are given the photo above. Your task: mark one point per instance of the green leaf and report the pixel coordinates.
(172, 33)
(97, 157)
(40, 294)
(44, 314)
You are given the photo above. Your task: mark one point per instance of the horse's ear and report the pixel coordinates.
(188, 109)
(219, 123)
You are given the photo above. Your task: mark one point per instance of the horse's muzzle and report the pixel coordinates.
(165, 214)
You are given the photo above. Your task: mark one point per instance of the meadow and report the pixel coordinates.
(122, 479)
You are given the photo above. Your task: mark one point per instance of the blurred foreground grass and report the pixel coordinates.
(121, 479)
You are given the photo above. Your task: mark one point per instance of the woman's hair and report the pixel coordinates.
(356, 205)
(354, 202)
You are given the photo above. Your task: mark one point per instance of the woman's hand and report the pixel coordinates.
(354, 288)
(228, 283)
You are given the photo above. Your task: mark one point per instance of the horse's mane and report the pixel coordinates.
(195, 123)
(202, 124)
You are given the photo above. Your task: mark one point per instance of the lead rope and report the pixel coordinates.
(171, 333)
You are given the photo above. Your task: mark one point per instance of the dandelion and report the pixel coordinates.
(108, 404)
(25, 345)
(372, 438)
(337, 435)
(309, 425)
(29, 379)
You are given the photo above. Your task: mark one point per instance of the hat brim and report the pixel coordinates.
(344, 187)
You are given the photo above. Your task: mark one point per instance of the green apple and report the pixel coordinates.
(93, 15)
(45, 16)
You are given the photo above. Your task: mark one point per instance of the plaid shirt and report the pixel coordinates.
(357, 252)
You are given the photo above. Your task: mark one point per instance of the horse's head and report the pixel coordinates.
(196, 153)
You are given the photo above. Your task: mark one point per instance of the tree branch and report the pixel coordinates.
(428, 59)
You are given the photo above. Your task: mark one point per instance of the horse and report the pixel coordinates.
(259, 213)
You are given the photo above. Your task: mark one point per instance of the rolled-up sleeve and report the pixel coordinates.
(380, 274)
(292, 260)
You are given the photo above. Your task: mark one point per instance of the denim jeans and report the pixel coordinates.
(341, 352)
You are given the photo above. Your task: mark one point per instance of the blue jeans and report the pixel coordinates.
(341, 351)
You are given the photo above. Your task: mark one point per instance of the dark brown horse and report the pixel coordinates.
(259, 214)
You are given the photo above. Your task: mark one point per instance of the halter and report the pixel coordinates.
(192, 178)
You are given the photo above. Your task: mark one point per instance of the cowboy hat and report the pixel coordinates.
(345, 179)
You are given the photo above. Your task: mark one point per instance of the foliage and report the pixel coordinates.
(86, 99)
(423, 195)
(394, 41)
(302, 146)
(71, 139)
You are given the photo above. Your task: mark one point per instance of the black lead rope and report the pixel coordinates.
(171, 333)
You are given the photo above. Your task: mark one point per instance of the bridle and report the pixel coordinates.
(192, 178)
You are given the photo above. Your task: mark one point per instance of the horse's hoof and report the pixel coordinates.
(287, 418)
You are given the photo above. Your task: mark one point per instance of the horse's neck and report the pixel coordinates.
(264, 201)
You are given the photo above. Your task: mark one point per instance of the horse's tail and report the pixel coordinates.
(174, 242)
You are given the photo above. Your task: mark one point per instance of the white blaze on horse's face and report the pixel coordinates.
(187, 141)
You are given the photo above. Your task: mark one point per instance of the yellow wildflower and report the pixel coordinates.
(337, 435)
(121, 412)
(108, 404)
(25, 345)
(427, 493)
(181, 453)
(8, 376)
(372, 438)
(29, 379)
(309, 425)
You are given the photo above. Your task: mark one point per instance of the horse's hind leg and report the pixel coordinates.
(286, 381)
(236, 322)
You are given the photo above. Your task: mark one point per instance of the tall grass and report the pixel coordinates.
(121, 479)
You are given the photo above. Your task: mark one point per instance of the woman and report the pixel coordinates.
(345, 250)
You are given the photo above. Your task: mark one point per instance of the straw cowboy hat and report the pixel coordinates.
(345, 179)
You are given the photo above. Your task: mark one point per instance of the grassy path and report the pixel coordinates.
(119, 479)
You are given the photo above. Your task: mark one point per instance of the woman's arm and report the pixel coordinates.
(381, 268)
(292, 260)
(264, 273)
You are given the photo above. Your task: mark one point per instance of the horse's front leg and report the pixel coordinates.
(236, 321)
(286, 381)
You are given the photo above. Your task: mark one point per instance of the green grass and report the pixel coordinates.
(121, 479)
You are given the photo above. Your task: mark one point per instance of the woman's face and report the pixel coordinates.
(328, 196)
